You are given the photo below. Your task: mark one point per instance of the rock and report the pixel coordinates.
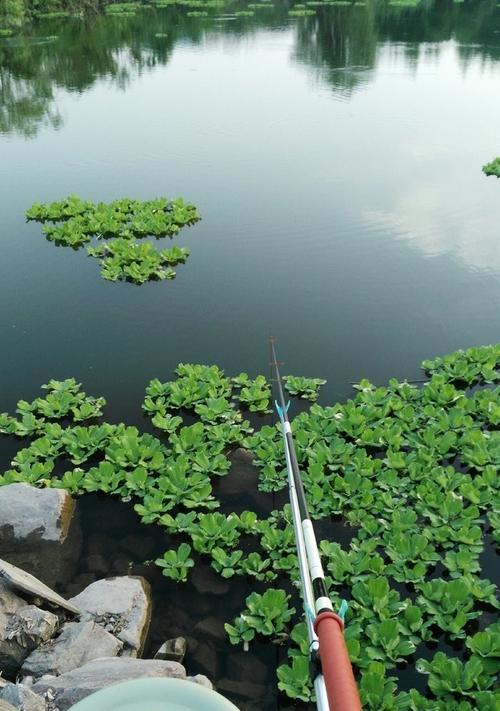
(122, 565)
(125, 604)
(244, 665)
(84, 579)
(75, 685)
(78, 643)
(4, 706)
(207, 582)
(29, 586)
(202, 680)
(22, 698)
(140, 546)
(22, 628)
(174, 649)
(32, 626)
(210, 628)
(206, 657)
(97, 563)
(39, 531)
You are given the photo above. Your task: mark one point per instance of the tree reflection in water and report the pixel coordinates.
(339, 43)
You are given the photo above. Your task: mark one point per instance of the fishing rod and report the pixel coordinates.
(331, 668)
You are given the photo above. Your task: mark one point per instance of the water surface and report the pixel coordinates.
(336, 162)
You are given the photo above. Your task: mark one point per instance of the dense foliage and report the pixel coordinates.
(412, 471)
(116, 227)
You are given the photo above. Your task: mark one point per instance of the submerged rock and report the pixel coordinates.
(122, 606)
(39, 531)
(21, 698)
(173, 649)
(75, 685)
(207, 582)
(78, 643)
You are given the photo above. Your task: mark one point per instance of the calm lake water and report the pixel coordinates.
(335, 160)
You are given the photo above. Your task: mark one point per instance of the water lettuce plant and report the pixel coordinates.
(267, 614)
(122, 8)
(301, 11)
(411, 474)
(112, 232)
(175, 564)
(492, 168)
(254, 394)
(306, 388)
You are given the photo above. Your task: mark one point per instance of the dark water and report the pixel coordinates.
(336, 161)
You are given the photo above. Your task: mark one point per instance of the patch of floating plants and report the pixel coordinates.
(122, 8)
(116, 228)
(413, 471)
(54, 15)
(492, 168)
(301, 11)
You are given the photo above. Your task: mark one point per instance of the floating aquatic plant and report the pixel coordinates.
(297, 11)
(255, 394)
(492, 168)
(306, 388)
(122, 8)
(115, 229)
(412, 470)
(266, 614)
(176, 564)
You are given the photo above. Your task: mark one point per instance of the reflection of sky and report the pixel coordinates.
(443, 203)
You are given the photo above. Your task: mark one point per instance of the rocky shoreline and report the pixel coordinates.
(56, 651)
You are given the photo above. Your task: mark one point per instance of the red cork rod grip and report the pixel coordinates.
(340, 684)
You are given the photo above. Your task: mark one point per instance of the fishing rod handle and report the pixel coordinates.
(335, 663)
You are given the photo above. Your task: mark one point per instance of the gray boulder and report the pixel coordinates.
(22, 628)
(5, 706)
(122, 606)
(21, 698)
(22, 632)
(12, 653)
(78, 643)
(75, 685)
(28, 586)
(39, 531)
(32, 626)
(173, 649)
